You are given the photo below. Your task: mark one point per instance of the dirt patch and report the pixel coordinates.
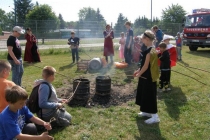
(119, 94)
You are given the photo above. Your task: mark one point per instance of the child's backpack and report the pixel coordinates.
(33, 101)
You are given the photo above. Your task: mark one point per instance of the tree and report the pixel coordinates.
(3, 19)
(171, 19)
(91, 19)
(6, 20)
(22, 9)
(37, 3)
(119, 26)
(62, 22)
(42, 18)
(173, 14)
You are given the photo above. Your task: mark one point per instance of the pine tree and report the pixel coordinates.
(62, 22)
(119, 26)
(22, 9)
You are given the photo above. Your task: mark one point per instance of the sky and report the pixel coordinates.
(110, 9)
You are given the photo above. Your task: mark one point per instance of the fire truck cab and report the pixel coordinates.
(196, 32)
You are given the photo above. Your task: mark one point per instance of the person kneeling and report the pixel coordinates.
(51, 106)
(14, 118)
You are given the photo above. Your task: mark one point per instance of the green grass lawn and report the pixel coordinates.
(184, 112)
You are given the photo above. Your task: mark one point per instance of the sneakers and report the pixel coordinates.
(153, 119)
(143, 114)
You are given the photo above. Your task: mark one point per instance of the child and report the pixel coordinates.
(172, 52)
(122, 46)
(148, 74)
(14, 118)
(136, 50)
(5, 69)
(74, 45)
(51, 105)
(179, 47)
(165, 67)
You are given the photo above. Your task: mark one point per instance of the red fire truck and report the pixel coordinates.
(196, 32)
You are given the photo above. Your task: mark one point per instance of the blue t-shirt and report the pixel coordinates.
(11, 124)
(129, 34)
(159, 35)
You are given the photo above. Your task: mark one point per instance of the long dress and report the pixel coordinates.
(108, 43)
(31, 50)
(121, 48)
(147, 86)
(136, 51)
(29, 44)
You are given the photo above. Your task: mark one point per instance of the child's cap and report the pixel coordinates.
(178, 33)
(166, 37)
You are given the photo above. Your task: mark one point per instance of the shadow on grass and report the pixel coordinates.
(56, 131)
(173, 100)
(202, 53)
(148, 132)
(69, 66)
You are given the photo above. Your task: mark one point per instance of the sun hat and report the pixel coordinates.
(18, 29)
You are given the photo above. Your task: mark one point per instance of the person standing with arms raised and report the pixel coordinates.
(108, 43)
(15, 55)
(129, 43)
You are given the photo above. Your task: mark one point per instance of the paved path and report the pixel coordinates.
(3, 45)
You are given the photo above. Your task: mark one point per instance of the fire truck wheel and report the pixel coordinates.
(193, 48)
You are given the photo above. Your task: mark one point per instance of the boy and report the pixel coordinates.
(165, 67)
(128, 43)
(158, 34)
(50, 104)
(14, 118)
(14, 55)
(179, 46)
(74, 45)
(5, 69)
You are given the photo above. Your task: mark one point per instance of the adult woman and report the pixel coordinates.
(148, 74)
(31, 50)
(108, 43)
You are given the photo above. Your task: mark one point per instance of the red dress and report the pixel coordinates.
(28, 55)
(31, 50)
(108, 43)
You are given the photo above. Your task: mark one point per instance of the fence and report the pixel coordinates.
(48, 32)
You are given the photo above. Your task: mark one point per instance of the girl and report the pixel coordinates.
(108, 43)
(136, 50)
(122, 46)
(148, 74)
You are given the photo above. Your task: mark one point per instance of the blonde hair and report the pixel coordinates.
(4, 65)
(122, 34)
(149, 34)
(48, 71)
